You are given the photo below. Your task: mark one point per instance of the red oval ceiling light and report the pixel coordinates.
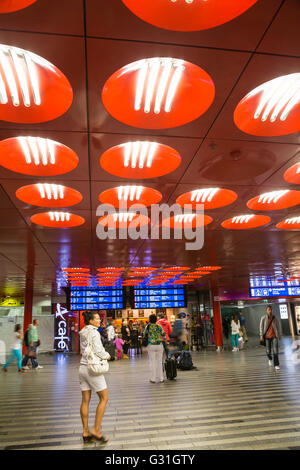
(48, 195)
(292, 175)
(211, 198)
(110, 269)
(271, 109)
(144, 269)
(71, 270)
(140, 160)
(188, 15)
(248, 221)
(275, 200)
(37, 156)
(208, 268)
(291, 223)
(177, 268)
(32, 89)
(187, 221)
(158, 93)
(126, 196)
(57, 219)
(124, 220)
(7, 6)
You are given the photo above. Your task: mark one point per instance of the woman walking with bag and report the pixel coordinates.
(153, 335)
(235, 328)
(270, 334)
(92, 366)
(16, 349)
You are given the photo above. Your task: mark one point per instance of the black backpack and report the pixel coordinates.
(185, 361)
(26, 342)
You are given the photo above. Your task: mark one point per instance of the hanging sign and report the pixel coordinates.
(62, 332)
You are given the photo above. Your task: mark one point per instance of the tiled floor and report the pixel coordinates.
(232, 401)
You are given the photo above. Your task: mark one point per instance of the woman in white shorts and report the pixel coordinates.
(89, 383)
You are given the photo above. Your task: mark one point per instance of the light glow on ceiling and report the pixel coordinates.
(139, 153)
(133, 192)
(272, 197)
(203, 195)
(38, 150)
(59, 216)
(184, 218)
(51, 191)
(242, 219)
(158, 79)
(124, 216)
(292, 220)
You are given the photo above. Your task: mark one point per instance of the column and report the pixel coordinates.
(28, 302)
(217, 317)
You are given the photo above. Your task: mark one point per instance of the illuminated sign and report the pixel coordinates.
(95, 299)
(159, 297)
(61, 328)
(283, 309)
(275, 292)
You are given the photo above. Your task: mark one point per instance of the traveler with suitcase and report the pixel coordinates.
(154, 336)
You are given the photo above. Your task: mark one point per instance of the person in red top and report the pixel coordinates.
(166, 326)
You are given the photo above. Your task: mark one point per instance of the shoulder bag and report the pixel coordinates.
(95, 365)
(263, 342)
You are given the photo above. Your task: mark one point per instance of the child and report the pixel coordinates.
(119, 345)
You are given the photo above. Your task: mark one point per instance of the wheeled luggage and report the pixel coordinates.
(170, 368)
(111, 349)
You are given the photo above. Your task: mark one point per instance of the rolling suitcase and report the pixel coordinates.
(111, 349)
(170, 368)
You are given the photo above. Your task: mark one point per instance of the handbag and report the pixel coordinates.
(31, 353)
(95, 365)
(263, 342)
(145, 338)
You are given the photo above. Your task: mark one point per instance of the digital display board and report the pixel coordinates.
(164, 297)
(95, 299)
(263, 282)
(275, 292)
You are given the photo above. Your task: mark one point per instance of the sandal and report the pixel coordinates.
(102, 439)
(87, 439)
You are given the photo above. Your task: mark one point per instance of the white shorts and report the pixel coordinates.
(96, 383)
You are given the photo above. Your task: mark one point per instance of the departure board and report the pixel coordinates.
(146, 297)
(275, 292)
(95, 299)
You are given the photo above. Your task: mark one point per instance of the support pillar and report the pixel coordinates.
(217, 318)
(28, 303)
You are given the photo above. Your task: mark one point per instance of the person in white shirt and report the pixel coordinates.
(235, 328)
(111, 334)
(16, 349)
(89, 383)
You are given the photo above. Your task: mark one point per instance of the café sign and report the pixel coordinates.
(61, 329)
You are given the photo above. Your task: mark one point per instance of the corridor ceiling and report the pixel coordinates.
(88, 41)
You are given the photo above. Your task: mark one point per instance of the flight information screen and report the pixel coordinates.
(146, 297)
(275, 291)
(95, 299)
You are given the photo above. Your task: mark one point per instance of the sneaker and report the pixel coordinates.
(277, 368)
(25, 368)
(21, 370)
(270, 363)
(4, 369)
(39, 367)
(234, 349)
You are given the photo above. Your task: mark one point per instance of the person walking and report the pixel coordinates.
(270, 331)
(243, 327)
(156, 335)
(235, 328)
(33, 342)
(110, 331)
(16, 349)
(126, 338)
(166, 326)
(88, 383)
(119, 345)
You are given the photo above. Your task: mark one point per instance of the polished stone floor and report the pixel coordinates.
(232, 401)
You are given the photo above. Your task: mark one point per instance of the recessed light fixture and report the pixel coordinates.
(129, 195)
(140, 159)
(49, 195)
(36, 156)
(188, 15)
(211, 198)
(158, 93)
(124, 220)
(290, 223)
(275, 200)
(57, 219)
(248, 221)
(32, 90)
(187, 221)
(8, 6)
(271, 109)
(292, 174)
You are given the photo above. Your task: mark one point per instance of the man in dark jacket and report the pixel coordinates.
(270, 328)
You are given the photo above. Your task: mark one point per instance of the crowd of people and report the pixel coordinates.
(31, 342)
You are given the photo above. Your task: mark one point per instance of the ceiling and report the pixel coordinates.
(88, 41)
